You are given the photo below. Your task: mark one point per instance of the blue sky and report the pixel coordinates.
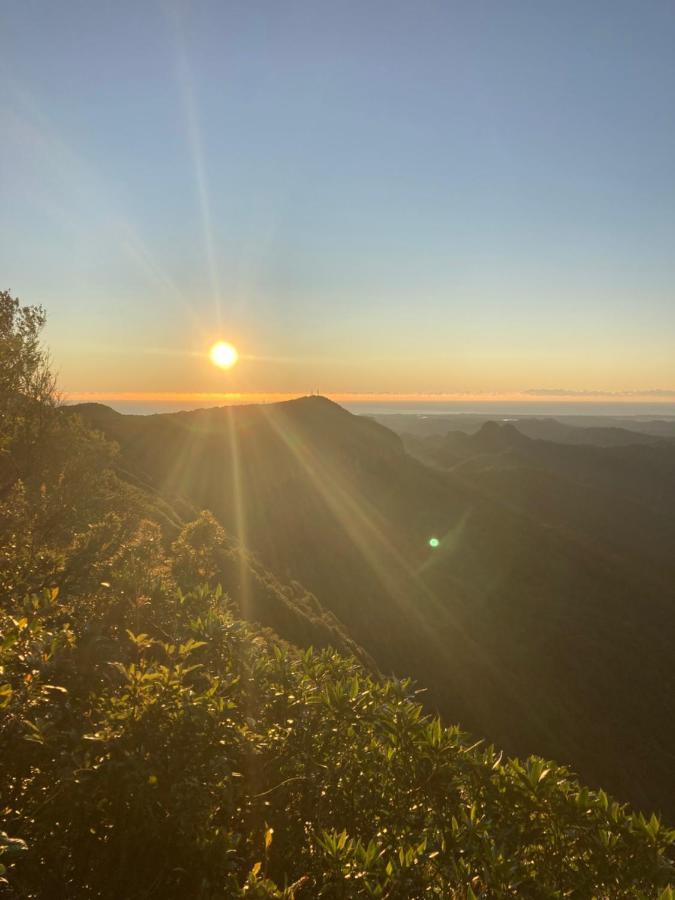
(363, 196)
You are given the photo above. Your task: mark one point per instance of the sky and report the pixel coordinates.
(456, 199)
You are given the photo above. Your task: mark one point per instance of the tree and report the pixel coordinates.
(27, 390)
(55, 478)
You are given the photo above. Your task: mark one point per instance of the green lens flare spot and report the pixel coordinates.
(434, 542)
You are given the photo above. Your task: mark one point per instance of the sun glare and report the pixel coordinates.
(223, 355)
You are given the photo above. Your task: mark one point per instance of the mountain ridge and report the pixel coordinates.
(493, 614)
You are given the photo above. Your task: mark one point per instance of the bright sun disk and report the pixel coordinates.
(223, 355)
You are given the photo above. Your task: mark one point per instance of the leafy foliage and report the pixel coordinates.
(26, 385)
(168, 749)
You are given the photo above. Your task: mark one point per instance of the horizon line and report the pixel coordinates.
(238, 398)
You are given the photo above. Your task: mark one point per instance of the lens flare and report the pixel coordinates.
(223, 355)
(434, 542)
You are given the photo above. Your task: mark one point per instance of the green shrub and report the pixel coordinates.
(197, 757)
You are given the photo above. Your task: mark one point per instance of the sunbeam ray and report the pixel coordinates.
(238, 499)
(367, 531)
(195, 145)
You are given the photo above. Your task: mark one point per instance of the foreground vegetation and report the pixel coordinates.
(154, 744)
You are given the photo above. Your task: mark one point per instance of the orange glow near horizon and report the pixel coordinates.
(196, 398)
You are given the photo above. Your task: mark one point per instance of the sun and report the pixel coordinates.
(223, 355)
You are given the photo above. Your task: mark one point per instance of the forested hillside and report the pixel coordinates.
(153, 743)
(542, 621)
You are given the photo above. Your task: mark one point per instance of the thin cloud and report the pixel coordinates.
(627, 394)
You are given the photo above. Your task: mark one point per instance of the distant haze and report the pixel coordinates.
(141, 404)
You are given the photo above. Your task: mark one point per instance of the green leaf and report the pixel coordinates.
(11, 847)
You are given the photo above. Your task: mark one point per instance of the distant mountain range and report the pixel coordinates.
(603, 431)
(544, 619)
